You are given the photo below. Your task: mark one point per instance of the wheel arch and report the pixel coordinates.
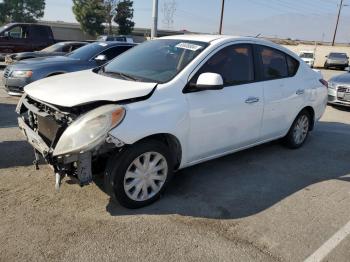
(172, 142)
(311, 112)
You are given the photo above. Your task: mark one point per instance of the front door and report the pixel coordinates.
(227, 119)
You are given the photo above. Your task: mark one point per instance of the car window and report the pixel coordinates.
(114, 51)
(338, 55)
(67, 48)
(273, 63)
(293, 65)
(39, 32)
(18, 32)
(234, 63)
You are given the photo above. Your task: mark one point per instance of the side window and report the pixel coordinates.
(234, 63)
(114, 51)
(76, 46)
(293, 65)
(18, 32)
(273, 62)
(39, 32)
(67, 48)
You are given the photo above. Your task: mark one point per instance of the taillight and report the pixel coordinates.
(324, 82)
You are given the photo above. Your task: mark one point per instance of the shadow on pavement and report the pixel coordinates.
(15, 153)
(8, 115)
(248, 182)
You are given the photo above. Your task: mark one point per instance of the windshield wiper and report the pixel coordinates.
(123, 75)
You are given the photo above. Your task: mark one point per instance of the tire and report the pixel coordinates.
(130, 185)
(296, 137)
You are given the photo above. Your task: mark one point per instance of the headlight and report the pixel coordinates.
(89, 130)
(331, 85)
(22, 73)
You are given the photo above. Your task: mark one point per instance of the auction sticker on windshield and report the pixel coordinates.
(189, 46)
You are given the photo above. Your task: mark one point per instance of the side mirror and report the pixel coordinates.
(326, 56)
(209, 81)
(101, 58)
(7, 34)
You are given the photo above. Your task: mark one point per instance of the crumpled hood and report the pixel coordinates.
(84, 87)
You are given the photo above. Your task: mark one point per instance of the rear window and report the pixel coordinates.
(274, 64)
(293, 65)
(338, 55)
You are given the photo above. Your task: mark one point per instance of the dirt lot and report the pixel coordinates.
(264, 204)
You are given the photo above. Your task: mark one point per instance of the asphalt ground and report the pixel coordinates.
(267, 203)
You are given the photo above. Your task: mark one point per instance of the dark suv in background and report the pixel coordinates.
(337, 60)
(23, 37)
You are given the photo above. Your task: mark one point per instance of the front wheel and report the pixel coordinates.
(299, 131)
(139, 174)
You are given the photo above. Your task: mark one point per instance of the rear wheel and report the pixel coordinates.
(299, 131)
(138, 175)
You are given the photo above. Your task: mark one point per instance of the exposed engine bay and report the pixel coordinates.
(43, 125)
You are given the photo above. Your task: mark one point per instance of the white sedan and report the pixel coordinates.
(168, 104)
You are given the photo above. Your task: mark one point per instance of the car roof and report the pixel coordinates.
(202, 37)
(112, 43)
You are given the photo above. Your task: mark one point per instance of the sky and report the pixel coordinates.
(296, 19)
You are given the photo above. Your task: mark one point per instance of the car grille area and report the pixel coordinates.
(7, 72)
(48, 122)
(343, 93)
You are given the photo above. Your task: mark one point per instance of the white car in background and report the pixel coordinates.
(308, 57)
(168, 104)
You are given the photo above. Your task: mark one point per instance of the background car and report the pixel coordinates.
(308, 57)
(339, 90)
(337, 60)
(18, 75)
(119, 38)
(58, 49)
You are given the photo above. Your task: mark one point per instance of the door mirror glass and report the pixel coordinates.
(101, 59)
(209, 81)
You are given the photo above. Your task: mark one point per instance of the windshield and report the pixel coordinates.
(53, 48)
(88, 51)
(337, 55)
(306, 55)
(157, 60)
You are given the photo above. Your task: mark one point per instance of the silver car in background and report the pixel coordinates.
(337, 60)
(339, 90)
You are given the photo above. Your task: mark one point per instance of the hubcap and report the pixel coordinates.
(145, 176)
(301, 129)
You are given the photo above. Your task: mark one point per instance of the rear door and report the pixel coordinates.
(227, 119)
(283, 94)
(40, 37)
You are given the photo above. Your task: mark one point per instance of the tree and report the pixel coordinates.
(124, 14)
(109, 7)
(91, 15)
(28, 11)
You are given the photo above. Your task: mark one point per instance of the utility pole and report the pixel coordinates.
(155, 19)
(222, 15)
(336, 26)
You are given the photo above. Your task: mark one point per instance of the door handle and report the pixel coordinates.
(300, 92)
(251, 100)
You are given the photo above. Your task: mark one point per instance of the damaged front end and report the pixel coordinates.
(69, 138)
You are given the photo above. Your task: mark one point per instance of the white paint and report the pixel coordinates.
(331, 244)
